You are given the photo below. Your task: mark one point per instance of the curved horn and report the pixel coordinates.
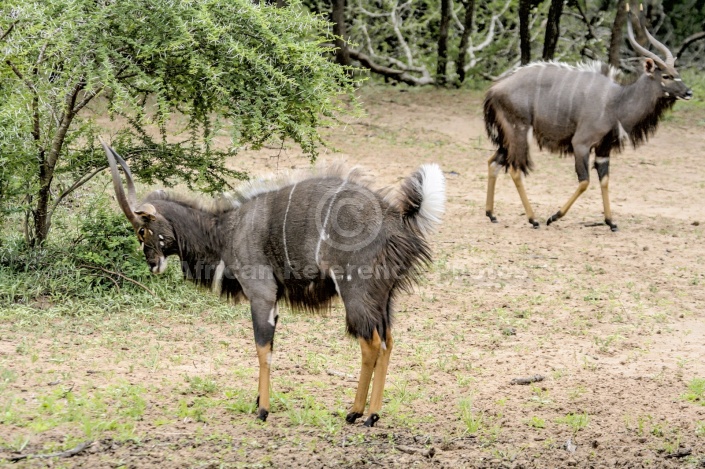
(117, 185)
(637, 47)
(669, 56)
(131, 194)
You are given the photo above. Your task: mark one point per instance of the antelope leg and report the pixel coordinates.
(493, 171)
(379, 379)
(264, 354)
(564, 209)
(602, 165)
(370, 352)
(582, 158)
(264, 322)
(518, 179)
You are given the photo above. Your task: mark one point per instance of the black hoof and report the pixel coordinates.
(352, 416)
(262, 415)
(555, 217)
(492, 218)
(371, 420)
(612, 226)
(534, 223)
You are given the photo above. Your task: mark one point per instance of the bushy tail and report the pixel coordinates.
(423, 197)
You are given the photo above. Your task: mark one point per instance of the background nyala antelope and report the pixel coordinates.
(575, 109)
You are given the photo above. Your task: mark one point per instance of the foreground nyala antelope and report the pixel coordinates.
(574, 110)
(305, 240)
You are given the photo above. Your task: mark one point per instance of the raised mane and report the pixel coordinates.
(594, 66)
(248, 190)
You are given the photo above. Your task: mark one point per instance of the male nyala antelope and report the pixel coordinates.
(304, 240)
(574, 110)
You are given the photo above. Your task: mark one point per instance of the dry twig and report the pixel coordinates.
(61, 454)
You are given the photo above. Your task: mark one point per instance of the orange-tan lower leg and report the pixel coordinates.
(370, 352)
(492, 171)
(604, 185)
(380, 376)
(582, 187)
(518, 179)
(264, 354)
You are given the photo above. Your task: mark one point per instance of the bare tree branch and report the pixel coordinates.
(77, 184)
(396, 24)
(398, 75)
(119, 275)
(688, 41)
(19, 74)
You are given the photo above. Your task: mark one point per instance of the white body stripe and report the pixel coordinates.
(335, 282)
(273, 315)
(324, 234)
(218, 277)
(622, 133)
(288, 206)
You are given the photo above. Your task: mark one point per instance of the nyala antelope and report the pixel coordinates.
(575, 110)
(303, 240)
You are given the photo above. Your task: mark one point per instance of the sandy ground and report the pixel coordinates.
(614, 322)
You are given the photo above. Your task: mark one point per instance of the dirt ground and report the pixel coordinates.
(614, 322)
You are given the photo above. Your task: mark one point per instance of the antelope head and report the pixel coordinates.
(154, 232)
(663, 71)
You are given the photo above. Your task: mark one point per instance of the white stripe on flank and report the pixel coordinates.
(335, 282)
(622, 133)
(288, 205)
(273, 314)
(218, 277)
(324, 234)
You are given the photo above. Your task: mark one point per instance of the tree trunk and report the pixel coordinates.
(524, 33)
(47, 164)
(42, 221)
(443, 42)
(465, 39)
(616, 39)
(553, 29)
(342, 56)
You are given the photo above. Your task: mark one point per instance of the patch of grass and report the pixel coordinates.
(536, 422)
(539, 396)
(696, 391)
(304, 409)
(111, 411)
(473, 421)
(201, 386)
(700, 429)
(239, 401)
(194, 409)
(576, 422)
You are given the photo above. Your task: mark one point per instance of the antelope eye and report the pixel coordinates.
(141, 232)
(666, 77)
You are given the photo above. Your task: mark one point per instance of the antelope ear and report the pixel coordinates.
(649, 66)
(147, 212)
